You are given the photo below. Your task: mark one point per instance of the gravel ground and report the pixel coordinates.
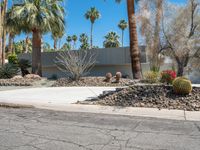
(151, 96)
(92, 81)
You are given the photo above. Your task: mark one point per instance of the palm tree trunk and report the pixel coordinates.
(134, 50)
(122, 38)
(4, 31)
(10, 43)
(26, 44)
(1, 33)
(91, 36)
(55, 44)
(36, 53)
(4, 46)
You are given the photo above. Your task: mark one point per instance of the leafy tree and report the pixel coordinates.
(39, 17)
(92, 15)
(123, 25)
(111, 40)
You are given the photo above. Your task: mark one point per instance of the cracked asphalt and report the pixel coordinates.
(35, 129)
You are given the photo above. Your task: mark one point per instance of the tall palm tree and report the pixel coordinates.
(92, 15)
(38, 17)
(111, 40)
(134, 50)
(74, 38)
(123, 25)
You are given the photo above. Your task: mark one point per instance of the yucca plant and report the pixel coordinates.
(8, 71)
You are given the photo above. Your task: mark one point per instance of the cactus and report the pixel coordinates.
(182, 85)
(151, 77)
(118, 76)
(108, 77)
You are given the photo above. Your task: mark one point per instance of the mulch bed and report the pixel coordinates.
(91, 81)
(151, 96)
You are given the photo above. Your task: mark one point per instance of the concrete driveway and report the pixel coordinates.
(51, 96)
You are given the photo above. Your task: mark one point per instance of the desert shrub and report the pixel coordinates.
(76, 63)
(182, 85)
(151, 77)
(12, 58)
(108, 77)
(118, 76)
(167, 76)
(8, 71)
(24, 64)
(54, 77)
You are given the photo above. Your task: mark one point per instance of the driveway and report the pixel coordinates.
(34, 129)
(51, 96)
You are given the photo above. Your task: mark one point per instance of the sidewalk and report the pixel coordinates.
(62, 99)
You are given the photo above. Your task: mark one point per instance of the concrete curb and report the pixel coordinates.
(128, 111)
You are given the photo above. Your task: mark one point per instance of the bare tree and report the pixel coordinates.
(182, 35)
(150, 14)
(76, 63)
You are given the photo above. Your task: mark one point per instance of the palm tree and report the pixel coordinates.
(134, 50)
(74, 38)
(84, 42)
(92, 15)
(12, 27)
(111, 40)
(123, 25)
(39, 17)
(56, 36)
(69, 40)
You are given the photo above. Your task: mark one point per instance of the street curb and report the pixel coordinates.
(127, 111)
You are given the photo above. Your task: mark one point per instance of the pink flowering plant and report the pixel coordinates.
(168, 76)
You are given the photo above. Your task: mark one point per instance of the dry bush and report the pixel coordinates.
(76, 63)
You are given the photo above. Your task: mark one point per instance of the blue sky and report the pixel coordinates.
(111, 14)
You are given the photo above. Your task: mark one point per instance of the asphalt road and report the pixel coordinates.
(34, 129)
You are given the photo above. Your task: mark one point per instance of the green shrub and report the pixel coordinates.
(12, 58)
(151, 77)
(182, 86)
(24, 65)
(8, 71)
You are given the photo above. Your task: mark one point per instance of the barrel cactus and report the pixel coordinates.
(118, 76)
(108, 77)
(182, 85)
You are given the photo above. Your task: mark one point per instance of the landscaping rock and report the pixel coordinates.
(151, 96)
(33, 77)
(91, 81)
(17, 77)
